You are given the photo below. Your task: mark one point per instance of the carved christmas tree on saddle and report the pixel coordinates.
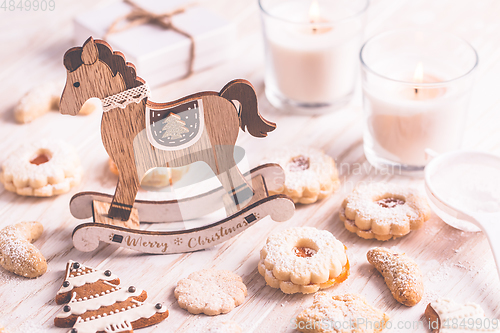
(174, 127)
(97, 303)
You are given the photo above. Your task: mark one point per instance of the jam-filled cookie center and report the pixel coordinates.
(390, 202)
(305, 248)
(41, 157)
(299, 163)
(304, 252)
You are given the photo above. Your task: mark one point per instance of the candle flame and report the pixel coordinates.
(314, 12)
(419, 73)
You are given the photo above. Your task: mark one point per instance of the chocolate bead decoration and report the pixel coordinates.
(107, 272)
(67, 308)
(76, 265)
(74, 330)
(66, 284)
(158, 306)
(131, 289)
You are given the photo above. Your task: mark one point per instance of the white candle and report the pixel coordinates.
(403, 122)
(315, 60)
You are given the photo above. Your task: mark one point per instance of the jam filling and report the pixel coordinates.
(304, 252)
(299, 163)
(40, 159)
(390, 202)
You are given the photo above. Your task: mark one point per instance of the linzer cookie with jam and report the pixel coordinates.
(97, 303)
(303, 260)
(384, 211)
(42, 169)
(310, 175)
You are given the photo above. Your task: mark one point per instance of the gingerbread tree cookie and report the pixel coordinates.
(97, 303)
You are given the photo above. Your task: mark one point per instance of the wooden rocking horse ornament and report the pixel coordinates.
(140, 135)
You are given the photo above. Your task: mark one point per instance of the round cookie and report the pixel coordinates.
(211, 292)
(42, 169)
(383, 211)
(303, 260)
(310, 174)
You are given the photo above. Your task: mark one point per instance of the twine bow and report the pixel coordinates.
(139, 16)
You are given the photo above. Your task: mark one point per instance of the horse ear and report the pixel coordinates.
(90, 54)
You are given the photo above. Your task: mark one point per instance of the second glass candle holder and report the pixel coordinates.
(311, 52)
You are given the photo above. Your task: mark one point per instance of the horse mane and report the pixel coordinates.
(114, 59)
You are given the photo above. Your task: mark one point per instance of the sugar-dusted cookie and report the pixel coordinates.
(17, 254)
(447, 316)
(340, 313)
(38, 101)
(401, 274)
(303, 260)
(210, 291)
(43, 168)
(97, 303)
(310, 174)
(383, 211)
(44, 98)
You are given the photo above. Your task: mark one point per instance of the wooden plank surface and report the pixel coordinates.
(455, 264)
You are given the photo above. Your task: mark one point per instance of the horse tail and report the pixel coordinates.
(250, 118)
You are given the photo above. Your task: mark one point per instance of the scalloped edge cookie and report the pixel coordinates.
(310, 174)
(42, 169)
(210, 291)
(303, 259)
(383, 211)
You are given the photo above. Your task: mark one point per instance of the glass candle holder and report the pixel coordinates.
(416, 91)
(311, 52)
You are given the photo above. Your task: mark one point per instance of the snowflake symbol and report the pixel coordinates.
(178, 241)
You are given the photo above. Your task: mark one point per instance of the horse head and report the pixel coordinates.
(87, 76)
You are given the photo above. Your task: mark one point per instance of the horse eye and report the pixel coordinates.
(76, 84)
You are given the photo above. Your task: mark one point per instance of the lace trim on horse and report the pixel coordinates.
(121, 100)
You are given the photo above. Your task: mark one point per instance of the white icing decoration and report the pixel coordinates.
(78, 308)
(448, 310)
(84, 278)
(111, 323)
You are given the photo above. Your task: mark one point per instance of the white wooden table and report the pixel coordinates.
(456, 264)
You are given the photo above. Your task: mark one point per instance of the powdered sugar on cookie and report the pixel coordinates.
(17, 254)
(310, 174)
(302, 259)
(401, 274)
(211, 292)
(43, 168)
(340, 310)
(384, 211)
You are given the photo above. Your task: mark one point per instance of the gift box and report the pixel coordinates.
(161, 54)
